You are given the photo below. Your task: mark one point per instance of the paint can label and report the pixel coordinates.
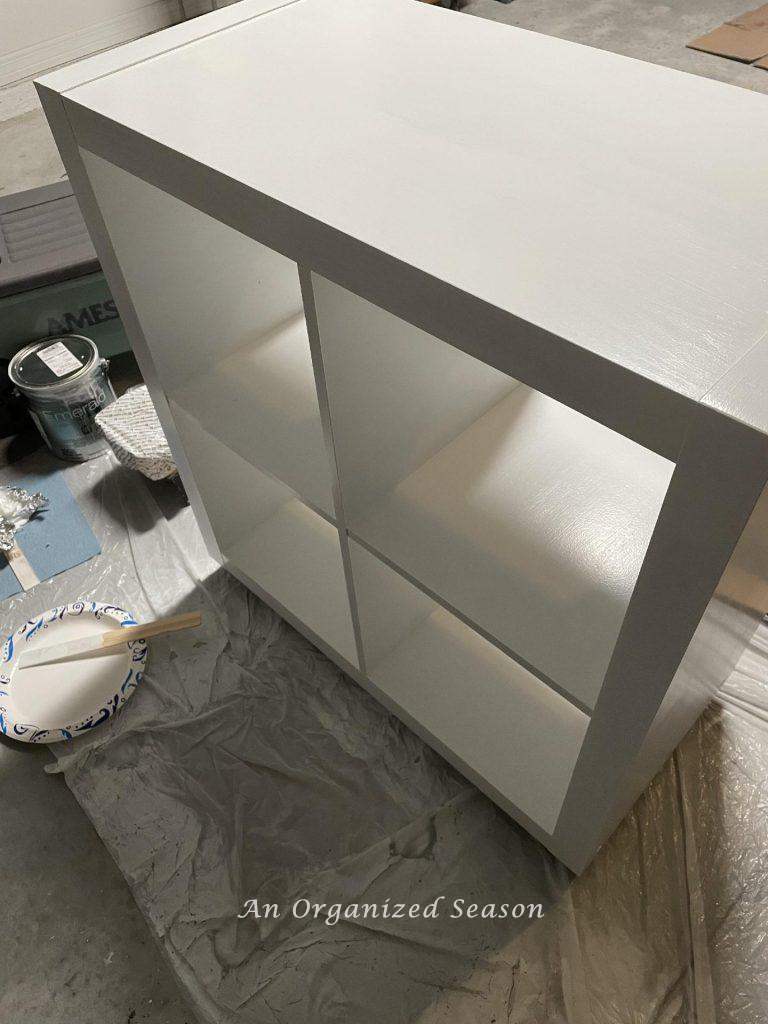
(69, 424)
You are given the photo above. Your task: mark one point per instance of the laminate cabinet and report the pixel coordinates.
(458, 334)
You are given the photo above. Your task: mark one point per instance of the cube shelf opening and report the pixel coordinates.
(271, 538)
(528, 519)
(505, 725)
(224, 318)
(262, 402)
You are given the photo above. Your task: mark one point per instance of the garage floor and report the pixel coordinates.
(656, 32)
(75, 947)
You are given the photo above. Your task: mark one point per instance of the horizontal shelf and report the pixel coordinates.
(438, 600)
(533, 523)
(497, 719)
(265, 533)
(261, 401)
(294, 556)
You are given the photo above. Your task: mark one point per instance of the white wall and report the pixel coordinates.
(36, 35)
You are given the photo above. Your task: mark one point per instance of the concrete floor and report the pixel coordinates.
(29, 155)
(654, 32)
(74, 946)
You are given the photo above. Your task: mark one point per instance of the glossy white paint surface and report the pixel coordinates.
(529, 519)
(501, 721)
(224, 316)
(106, 63)
(601, 215)
(271, 537)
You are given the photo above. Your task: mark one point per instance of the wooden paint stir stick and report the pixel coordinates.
(105, 642)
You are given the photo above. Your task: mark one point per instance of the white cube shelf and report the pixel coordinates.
(501, 453)
(225, 319)
(276, 543)
(503, 725)
(528, 519)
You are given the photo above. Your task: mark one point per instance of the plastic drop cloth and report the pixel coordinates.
(247, 766)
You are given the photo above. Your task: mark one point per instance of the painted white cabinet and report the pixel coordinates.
(467, 381)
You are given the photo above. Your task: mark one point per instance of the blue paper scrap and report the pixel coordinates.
(55, 539)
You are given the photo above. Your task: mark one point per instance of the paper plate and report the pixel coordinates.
(48, 703)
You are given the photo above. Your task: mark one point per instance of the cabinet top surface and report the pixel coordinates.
(619, 205)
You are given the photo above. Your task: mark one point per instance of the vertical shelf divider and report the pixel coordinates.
(310, 315)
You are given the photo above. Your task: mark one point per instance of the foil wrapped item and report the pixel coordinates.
(17, 507)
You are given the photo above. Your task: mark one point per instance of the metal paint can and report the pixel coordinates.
(65, 383)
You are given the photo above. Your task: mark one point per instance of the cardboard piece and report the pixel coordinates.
(744, 38)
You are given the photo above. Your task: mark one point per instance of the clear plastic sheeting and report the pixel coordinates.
(248, 767)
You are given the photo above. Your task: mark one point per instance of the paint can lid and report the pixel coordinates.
(51, 362)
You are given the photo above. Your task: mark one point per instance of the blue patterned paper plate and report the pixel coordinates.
(48, 703)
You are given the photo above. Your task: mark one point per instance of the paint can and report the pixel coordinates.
(65, 383)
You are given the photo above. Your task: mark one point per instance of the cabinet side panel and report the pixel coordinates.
(715, 490)
(728, 624)
(731, 618)
(57, 115)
